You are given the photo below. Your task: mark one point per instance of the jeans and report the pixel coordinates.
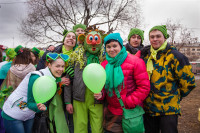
(2, 129)
(17, 126)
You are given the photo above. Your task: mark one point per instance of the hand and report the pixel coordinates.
(41, 106)
(69, 108)
(65, 81)
(98, 95)
(51, 48)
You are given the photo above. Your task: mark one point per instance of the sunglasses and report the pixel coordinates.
(54, 56)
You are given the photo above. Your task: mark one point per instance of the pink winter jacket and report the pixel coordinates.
(136, 85)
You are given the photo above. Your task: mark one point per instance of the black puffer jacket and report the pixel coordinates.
(41, 64)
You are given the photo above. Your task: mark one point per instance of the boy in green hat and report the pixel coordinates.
(79, 29)
(171, 80)
(135, 39)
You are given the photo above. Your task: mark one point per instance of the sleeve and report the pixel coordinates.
(103, 94)
(31, 102)
(68, 93)
(184, 75)
(142, 82)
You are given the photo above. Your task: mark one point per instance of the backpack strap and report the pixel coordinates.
(41, 73)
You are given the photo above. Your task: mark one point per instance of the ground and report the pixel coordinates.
(188, 121)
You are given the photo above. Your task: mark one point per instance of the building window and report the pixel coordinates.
(198, 49)
(193, 49)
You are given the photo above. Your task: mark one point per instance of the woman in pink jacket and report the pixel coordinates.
(128, 74)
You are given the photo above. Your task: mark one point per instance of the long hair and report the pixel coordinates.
(36, 59)
(23, 58)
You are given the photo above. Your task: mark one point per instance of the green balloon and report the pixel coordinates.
(44, 88)
(94, 77)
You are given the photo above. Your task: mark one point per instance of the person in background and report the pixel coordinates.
(20, 107)
(126, 73)
(5, 65)
(35, 55)
(1, 56)
(171, 80)
(21, 66)
(135, 40)
(79, 29)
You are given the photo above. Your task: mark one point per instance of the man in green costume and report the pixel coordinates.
(84, 104)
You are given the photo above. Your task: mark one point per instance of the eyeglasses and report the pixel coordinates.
(54, 56)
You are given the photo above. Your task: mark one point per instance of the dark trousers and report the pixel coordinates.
(163, 124)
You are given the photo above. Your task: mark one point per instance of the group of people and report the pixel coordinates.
(155, 77)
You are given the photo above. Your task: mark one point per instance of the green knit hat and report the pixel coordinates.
(114, 36)
(36, 51)
(65, 32)
(135, 31)
(10, 52)
(19, 49)
(161, 28)
(75, 27)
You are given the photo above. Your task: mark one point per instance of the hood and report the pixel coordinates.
(22, 70)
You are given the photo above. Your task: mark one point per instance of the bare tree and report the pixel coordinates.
(172, 28)
(47, 19)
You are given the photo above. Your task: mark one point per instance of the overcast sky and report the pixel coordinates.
(155, 12)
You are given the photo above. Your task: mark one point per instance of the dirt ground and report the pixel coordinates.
(188, 121)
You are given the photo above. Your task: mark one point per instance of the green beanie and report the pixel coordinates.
(10, 52)
(36, 51)
(161, 28)
(75, 27)
(135, 31)
(65, 32)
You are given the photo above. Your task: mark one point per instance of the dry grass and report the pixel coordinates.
(188, 122)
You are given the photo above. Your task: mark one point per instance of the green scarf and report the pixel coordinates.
(66, 51)
(92, 58)
(114, 74)
(153, 56)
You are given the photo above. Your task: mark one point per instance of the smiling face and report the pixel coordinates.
(57, 67)
(79, 31)
(135, 40)
(156, 39)
(70, 40)
(93, 42)
(113, 48)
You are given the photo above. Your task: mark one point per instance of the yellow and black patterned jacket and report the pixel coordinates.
(171, 80)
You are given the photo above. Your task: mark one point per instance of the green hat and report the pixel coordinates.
(136, 31)
(161, 28)
(36, 51)
(10, 52)
(19, 49)
(114, 36)
(65, 32)
(75, 27)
